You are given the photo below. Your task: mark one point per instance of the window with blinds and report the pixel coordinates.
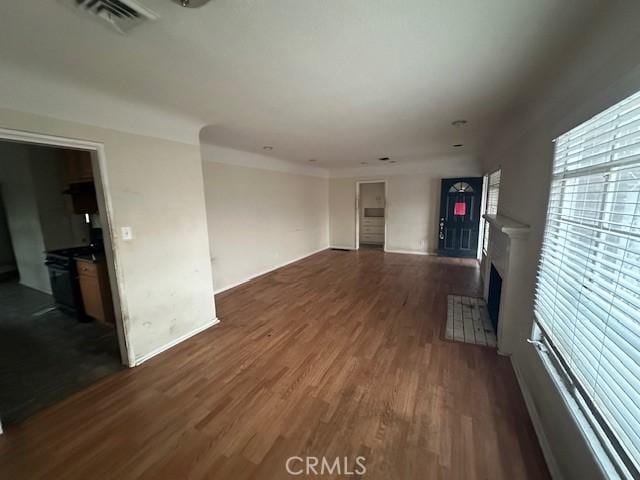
(493, 192)
(587, 301)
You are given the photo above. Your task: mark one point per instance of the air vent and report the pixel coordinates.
(122, 15)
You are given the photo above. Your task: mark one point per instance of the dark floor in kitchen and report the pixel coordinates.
(46, 355)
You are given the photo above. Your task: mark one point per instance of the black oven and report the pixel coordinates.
(62, 285)
(64, 278)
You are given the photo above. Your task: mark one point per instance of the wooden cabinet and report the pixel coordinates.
(80, 182)
(95, 289)
(79, 168)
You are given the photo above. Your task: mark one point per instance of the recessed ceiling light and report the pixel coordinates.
(384, 159)
(458, 145)
(267, 147)
(191, 3)
(459, 123)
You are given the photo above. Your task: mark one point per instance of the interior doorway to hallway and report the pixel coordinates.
(371, 214)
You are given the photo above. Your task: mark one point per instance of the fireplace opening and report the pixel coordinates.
(493, 300)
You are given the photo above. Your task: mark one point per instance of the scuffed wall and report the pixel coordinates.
(156, 188)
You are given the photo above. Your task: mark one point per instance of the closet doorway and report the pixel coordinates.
(371, 214)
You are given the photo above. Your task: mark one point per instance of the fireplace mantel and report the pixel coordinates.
(510, 227)
(506, 252)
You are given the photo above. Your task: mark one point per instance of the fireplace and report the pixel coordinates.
(502, 266)
(493, 296)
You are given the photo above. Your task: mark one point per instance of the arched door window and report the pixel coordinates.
(461, 187)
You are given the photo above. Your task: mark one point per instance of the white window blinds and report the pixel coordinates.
(588, 291)
(493, 193)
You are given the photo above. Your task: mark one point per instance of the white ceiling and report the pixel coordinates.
(341, 81)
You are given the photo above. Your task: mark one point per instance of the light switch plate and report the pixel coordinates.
(126, 233)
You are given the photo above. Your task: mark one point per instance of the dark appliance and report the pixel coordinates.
(64, 277)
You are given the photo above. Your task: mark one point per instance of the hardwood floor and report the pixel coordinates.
(338, 355)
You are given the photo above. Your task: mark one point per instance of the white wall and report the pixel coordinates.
(605, 70)
(156, 187)
(413, 202)
(23, 218)
(259, 219)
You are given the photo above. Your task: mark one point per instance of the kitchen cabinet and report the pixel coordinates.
(79, 168)
(79, 178)
(95, 289)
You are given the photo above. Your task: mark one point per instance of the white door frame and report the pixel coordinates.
(386, 211)
(103, 193)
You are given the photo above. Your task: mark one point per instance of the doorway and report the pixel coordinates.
(459, 226)
(371, 214)
(60, 321)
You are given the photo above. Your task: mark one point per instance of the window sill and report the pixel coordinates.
(579, 416)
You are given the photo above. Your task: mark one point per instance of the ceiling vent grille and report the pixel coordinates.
(122, 15)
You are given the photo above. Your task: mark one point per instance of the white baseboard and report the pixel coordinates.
(340, 247)
(233, 285)
(554, 470)
(408, 252)
(175, 342)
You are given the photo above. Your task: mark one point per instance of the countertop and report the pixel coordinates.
(90, 257)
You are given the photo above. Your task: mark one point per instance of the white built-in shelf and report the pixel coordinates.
(510, 227)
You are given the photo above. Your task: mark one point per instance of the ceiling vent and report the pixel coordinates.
(121, 15)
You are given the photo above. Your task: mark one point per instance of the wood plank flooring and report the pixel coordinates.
(338, 355)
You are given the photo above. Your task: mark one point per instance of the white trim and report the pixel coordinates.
(585, 427)
(35, 93)
(264, 272)
(547, 451)
(409, 252)
(43, 139)
(176, 341)
(115, 275)
(507, 225)
(483, 210)
(433, 165)
(241, 158)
